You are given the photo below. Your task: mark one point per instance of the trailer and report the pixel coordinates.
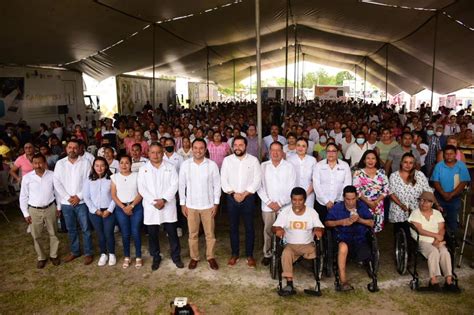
(331, 92)
(38, 95)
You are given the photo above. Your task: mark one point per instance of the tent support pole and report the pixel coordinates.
(154, 50)
(434, 59)
(250, 83)
(295, 70)
(365, 75)
(258, 61)
(302, 75)
(233, 71)
(286, 57)
(207, 72)
(386, 72)
(355, 82)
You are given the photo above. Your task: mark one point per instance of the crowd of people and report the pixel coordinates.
(358, 165)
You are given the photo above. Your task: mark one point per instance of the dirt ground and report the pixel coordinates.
(75, 288)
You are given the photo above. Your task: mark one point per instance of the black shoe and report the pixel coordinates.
(41, 263)
(156, 264)
(434, 287)
(452, 288)
(287, 291)
(179, 264)
(266, 261)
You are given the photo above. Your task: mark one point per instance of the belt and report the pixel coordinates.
(42, 208)
(103, 209)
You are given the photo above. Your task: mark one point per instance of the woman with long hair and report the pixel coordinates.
(372, 185)
(98, 198)
(406, 186)
(128, 209)
(304, 165)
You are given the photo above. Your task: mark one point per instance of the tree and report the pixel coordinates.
(343, 75)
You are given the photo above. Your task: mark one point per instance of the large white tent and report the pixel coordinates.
(217, 38)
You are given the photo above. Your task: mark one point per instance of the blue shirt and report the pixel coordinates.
(97, 195)
(355, 232)
(450, 177)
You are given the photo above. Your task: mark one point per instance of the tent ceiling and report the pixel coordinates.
(108, 37)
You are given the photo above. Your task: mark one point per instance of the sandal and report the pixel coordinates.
(126, 263)
(346, 287)
(138, 263)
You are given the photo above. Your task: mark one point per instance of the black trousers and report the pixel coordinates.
(154, 241)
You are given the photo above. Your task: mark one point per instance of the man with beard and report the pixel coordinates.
(69, 176)
(240, 179)
(39, 209)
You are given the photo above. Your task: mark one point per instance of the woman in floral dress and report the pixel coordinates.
(372, 186)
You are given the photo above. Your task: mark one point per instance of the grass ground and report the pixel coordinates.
(75, 288)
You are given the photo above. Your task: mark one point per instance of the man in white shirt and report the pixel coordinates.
(37, 203)
(69, 176)
(278, 179)
(158, 184)
(356, 150)
(313, 132)
(299, 225)
(83, 153)
(274, 136)
(199, 196)
(240, 179)
(452, 128)
(330, 176)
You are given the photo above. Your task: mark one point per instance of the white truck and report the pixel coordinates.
(39, 95)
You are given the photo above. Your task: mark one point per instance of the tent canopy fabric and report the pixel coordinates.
(107, 37)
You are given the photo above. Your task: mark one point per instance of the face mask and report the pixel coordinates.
(438, 133)
(169, 149)
(360, 140)
(322, 139)
(429, 132)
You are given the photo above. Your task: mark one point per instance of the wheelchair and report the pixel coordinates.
(403, 247)
(451, 246)
(371, 265)
(276, 269)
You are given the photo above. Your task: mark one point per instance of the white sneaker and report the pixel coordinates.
(116, 229)
(179, 231)
(112, 260)
(102, 260)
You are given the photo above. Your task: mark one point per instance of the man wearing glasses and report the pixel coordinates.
(330, 176)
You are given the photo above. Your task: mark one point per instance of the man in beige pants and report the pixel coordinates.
(199, 195)
(37, 202)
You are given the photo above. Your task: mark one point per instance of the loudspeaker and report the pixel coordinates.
(63, 109)
(340, 93)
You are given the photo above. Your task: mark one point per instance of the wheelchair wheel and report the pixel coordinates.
(401, 251)
(274, 259)
(328, 248)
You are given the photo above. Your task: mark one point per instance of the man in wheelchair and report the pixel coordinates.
(428, 230)
(299, 225)
(353, 223)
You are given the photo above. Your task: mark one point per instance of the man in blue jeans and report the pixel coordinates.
(240, 179)
(69, 176)
(450, 177)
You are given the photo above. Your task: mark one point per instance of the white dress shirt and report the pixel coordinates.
(137, 164)
(304, 174)
(268, 140)
(174, 159)
(328, 183)
(240, 175)
(314, 135)
(36, 191)
(114, 166)
(88, 157)
(69, 178)
(158, 183)
(277, 183)
(97, 195)
(199, 184)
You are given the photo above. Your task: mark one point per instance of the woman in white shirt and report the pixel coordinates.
(290, 148)
(109, 157)
(431, 227)
(304, 164)
(96, 194)
(128, 209)
(185, 151)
